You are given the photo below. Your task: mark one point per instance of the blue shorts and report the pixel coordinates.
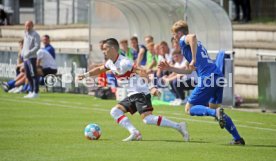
(207, 93)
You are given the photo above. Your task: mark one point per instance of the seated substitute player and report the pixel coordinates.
(46, 58)
(204, 93)
(138, 99)
(138, 51)
(46, 64)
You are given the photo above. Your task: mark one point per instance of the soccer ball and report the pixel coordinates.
(92, 132)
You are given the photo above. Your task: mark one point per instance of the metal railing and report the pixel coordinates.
(266, 56)
(61, 11)
(266, 81)
(79, 51)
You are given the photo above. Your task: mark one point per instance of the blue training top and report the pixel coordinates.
(135, 54)
(204, 65)
(51, 50)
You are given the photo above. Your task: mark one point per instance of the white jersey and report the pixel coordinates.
(167, 58)
(47, 60)
(122, 68)
(180, 64)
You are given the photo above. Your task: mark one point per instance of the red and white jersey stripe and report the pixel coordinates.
(123, 69)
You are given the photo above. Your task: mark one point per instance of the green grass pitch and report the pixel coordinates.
(51, 128)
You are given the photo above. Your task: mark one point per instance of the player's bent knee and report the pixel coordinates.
(149, 119)
(145, 121)
(188, 108)
(116, 112)
(113, 111)
(145, 114)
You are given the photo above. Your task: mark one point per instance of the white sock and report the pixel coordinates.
(160, 121)
(122, 120)
(125, 122)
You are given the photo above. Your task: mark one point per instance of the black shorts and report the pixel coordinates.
(47, 71)
(137, 102)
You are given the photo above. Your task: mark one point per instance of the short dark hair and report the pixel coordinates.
(134, 38)
(21, 41)
(172, 39)
(123, 41)
(164, 43)
(112, 42)
(150, 37)
(47, 36)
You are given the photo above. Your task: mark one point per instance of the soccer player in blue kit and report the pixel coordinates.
(207, 96)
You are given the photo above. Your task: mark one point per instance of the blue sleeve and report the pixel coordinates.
(143, 46)
(182, 42)
(48, 48)
(51, 50)
(134, 53)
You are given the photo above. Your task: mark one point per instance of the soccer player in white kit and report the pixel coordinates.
(138, 98)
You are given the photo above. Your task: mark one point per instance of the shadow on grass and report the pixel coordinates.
(100, 140)
(178, 141)
(262, 146)
(252, 145)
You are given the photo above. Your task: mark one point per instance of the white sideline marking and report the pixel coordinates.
(53, 104)
(64, 102)
(68, 103)
(105, 110)
(246, 126)
(251, 122)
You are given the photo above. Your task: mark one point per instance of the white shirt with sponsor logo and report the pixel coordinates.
(122, 68)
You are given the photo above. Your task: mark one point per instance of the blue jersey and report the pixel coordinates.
(135, 54)
(51, 50)
(204, 65)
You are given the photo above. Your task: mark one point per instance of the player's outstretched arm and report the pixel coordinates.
(140, 71)
(192, 41)
(167, 66)
(93, 72)
(151, 66)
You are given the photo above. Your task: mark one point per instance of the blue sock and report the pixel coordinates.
(11, 83)
(231, 128)
(41, 81)
(28, 88)
(25, 87)
(199, 110)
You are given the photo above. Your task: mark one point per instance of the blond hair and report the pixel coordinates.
(181, 26)
(175, 52)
